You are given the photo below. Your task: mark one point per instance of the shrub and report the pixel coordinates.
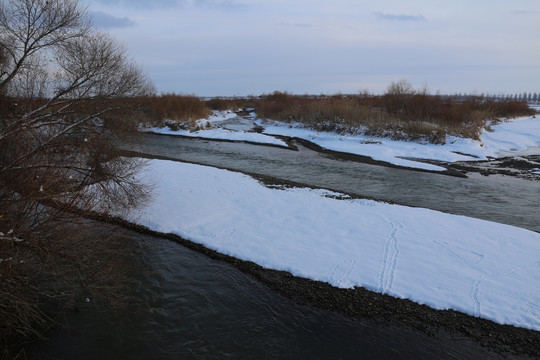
(402, 113)
(219, 103)
(170, 106)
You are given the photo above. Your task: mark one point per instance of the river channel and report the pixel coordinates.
(188, 306)
(496, 198)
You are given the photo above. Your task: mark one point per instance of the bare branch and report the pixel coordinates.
(62, 85)
(28, 26)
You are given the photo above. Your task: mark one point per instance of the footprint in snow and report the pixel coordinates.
(341, 271)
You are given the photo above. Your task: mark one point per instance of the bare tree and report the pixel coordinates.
(63, 91)
(397, 94)
(33, 26)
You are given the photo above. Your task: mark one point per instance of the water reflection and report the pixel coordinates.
(186, 305)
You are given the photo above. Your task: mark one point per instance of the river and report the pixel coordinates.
(496, 198)
(186, 305)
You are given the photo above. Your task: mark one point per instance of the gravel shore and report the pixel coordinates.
(359, 303)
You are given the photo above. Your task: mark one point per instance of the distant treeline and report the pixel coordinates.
(525, 96)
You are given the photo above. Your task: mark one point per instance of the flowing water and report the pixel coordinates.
(186, 305)
(497, 198)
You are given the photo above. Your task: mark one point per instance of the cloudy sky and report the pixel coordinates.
(250, 47)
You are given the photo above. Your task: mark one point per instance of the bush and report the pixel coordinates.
(170, 106)
(228, 103)
(402, 113)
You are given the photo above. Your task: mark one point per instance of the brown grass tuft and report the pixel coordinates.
(220, 103)
(402, 113)
(183, 109)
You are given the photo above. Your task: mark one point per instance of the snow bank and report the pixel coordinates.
(222, 134)
(217, 119)
(508, 138)
(217, 116)
(446, 261)
(520, 136)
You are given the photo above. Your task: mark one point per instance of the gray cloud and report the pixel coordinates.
(399, 17)
(166, 4)
(143, 4)
(220, 4)
(526, 12)
(106, 21)
(295, 24)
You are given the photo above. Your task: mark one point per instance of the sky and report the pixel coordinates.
(243, 47)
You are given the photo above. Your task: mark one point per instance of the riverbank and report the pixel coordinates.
(186, 304)
(514, 137)
(518, 137)
(217, 225)
(362, 304)
(524, 166)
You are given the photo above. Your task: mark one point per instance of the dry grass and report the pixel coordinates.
(404, 116)
(219, 103)
(181, 109)
(402, 113)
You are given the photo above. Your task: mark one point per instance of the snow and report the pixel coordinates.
(223, 134)
(520, 136)
(9, 236)
(218, 119)
(514, 137)
(217, 116)
(445, 261)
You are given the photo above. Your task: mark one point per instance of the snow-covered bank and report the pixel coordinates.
(514, 137)
(221, 134)
(446, 261)
(520, 136)
(212, 128)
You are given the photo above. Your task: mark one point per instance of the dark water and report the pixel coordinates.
(497, 198)
(187, 306)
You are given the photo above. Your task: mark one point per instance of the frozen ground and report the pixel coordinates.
(446, 261)
(519, 136)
